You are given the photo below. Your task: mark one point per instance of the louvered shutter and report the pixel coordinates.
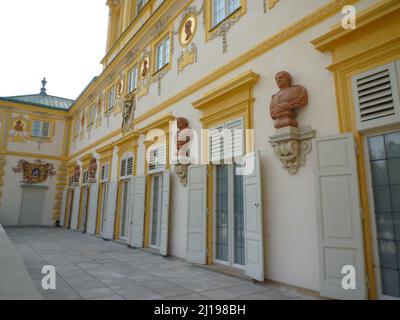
(129, 166)
(234, 139)
(123, 168)
(75, 208)
(376, 95)
(105, 172)
(216, 144)
(157, 158)
(92, 211)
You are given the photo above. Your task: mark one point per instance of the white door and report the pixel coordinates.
(109, 219)
(165, 213)
(92, 210)
(63, 207)
(253, 221)
(339, 216)
(196, 250)
(75, 208)
(137, 204)
(31, 213)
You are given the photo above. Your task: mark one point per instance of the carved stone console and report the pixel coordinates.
(292, 145)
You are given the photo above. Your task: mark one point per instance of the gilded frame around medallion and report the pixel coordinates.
(182, 27)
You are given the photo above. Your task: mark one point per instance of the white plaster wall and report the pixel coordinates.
(289, 212)
(53, 148)
(12, 194)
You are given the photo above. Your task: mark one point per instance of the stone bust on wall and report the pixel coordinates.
(284, 103)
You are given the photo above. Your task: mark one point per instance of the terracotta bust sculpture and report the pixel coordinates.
(284, 103)
(92, 168)
(77, 173)
(19, 126)
(184, 136)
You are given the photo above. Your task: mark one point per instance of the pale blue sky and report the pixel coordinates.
(63, 40)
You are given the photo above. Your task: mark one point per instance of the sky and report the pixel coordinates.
(62, 40)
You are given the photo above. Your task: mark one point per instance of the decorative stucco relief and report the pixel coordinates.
(187, 57)
(36, 172)
(269, 4)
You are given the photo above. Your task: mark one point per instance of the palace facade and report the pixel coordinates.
(258, 137)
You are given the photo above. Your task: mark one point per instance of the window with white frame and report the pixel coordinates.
(111, 98)
(163, 53)
(132, 79)
(157, 158)
(223, 9)
(40, 128)
(227, 141)
(126, 169)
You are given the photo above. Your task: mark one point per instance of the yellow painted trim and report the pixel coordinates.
(34, 155)
(54, 113)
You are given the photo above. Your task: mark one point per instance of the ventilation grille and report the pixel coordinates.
(375, 96)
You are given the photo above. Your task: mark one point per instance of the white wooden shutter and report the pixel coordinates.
(234, 139)
(75, 208)
(338, 215)
(253, 217)
(63, 206)
(109, 219)
(216, 144)
(376, 95)
(105, 172)
(165, 213)
(138, 198)
(129, 166)
(92, 211)
(157, 156)
(196, 250)
(123, 168)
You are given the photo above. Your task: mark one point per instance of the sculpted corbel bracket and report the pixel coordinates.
(291, 146)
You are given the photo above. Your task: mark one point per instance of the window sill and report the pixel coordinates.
(165, 68)
(218, 25)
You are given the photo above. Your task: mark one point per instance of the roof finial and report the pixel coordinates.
(43, 89)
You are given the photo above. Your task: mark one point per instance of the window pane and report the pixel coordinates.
(222, 214)
(132, 79)
(376, 148)
(395, 196)
(390, 283)
(154, 223)
(379, 173)
(45, 129)
(160, 53)
(232, 5)
(388, 254)
(393, 145)
(382, 200)
(124, 209)
(166, 55)
(384, 223)
(219, 11)
(394, 171)
(36, 128)
(238, 217)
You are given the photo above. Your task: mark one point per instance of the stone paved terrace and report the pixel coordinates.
(91, 268)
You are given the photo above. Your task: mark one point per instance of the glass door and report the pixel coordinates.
(384, 162)
(155, 224)
(124, 208)
(104, 193)
(229, 216)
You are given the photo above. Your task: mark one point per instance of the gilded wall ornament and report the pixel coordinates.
(223, 30)
(36, 172)
(187, 30)
(128, 114)
(19, 130)
(187, 57)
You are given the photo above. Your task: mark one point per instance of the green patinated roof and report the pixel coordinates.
(42, 100)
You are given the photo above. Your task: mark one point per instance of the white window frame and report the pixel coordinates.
(165, 52)
(132, 78)
(40, 134)
(226, 10)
